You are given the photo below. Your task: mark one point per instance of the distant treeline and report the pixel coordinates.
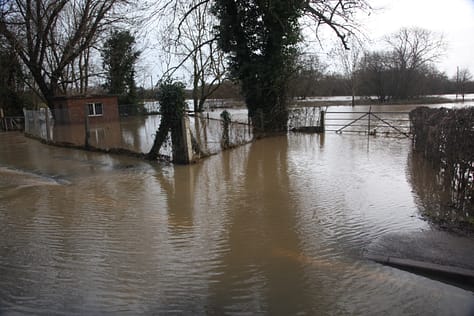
(382, 85)
(302, 87)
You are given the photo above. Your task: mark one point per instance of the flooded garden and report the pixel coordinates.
(277, 226)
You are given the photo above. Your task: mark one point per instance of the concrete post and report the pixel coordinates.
(188, 146)
(182, 145)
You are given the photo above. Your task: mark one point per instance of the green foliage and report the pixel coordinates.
(119, 59)
(226, 119)
(261, 37)
(172, 99)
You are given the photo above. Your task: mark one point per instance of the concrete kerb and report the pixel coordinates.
(420, 265)
(438, 255)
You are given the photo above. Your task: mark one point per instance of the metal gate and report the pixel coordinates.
(369, 123)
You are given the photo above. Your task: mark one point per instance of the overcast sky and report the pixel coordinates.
(453, 18)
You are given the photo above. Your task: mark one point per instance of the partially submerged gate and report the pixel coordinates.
(384, 123)
(319, 120)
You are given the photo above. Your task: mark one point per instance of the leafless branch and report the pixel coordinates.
(50, 36)
(338, 15)
(170, 72)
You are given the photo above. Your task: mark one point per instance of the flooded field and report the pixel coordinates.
(137, 133)
(275, 227)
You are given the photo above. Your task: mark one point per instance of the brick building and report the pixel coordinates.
(74, 110)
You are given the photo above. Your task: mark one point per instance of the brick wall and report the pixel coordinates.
(74, 110)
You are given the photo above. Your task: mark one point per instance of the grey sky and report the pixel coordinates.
(453, 18)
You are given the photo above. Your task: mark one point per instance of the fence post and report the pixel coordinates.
(2, 120)
(183, 149)
(48, 134)
(322, 115)
(27, 122)
(86, 125)
(226, 119)
(368, 124)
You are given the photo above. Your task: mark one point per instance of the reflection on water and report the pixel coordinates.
(435, 196)
(275, 227)
(137, 134)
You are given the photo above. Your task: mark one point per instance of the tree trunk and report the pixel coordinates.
(160, 138)
(181, 142)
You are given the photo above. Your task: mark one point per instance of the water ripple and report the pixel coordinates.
(276, 227)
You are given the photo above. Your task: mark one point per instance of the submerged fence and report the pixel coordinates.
(134, 134)
(445, 137)
(132, 131)
(38, 123)
(11, 123)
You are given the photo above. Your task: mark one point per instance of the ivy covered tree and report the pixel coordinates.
(260, 37)
(173, 107)
(119, 58)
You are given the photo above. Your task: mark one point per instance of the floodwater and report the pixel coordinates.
(137, 134)
(275, 227)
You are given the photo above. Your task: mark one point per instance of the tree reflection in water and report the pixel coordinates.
(435, 195)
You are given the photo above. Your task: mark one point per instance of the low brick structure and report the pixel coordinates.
(74, 110)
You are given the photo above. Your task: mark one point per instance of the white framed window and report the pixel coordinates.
(95, 109)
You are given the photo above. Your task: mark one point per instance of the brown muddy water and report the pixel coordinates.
(275, 227)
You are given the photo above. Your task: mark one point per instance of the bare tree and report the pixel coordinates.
(310, 70)
(413, 51)
(189, 35)
(375, 75)
(463, 76)
(197, 40)
(350, 61)
(53, 37)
